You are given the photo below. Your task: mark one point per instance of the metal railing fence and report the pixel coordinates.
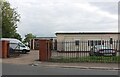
(87, 51)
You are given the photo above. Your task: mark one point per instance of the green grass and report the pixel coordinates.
(96, 59)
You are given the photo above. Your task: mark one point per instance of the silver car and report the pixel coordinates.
(101, 50)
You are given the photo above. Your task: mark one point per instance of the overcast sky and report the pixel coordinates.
(45, 17)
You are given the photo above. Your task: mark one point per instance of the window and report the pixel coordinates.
(21, 45)
(95, 42)
(76, 42)
(102, 42)
(99, 42)
(111, 40)
(90, 43)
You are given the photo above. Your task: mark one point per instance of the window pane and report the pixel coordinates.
(77, 42)
(95, 43)
(91, 42)
(111, 41)
(99, 42)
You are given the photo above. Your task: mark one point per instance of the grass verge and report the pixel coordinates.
(96, 59)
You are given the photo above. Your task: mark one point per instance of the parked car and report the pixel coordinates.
(17, 45)
(101, 50)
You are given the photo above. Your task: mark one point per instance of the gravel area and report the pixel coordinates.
(28, 58)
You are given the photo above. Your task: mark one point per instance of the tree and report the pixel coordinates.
(10, 18)
(28, 37)
(0, 19)
(18, 36)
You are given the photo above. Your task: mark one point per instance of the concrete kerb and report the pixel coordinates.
(73, 66)
(83, 67)
(0, 60)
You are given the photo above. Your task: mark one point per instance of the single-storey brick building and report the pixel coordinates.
(74, 41)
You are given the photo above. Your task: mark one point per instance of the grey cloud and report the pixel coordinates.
(111, 7)
(43, 18)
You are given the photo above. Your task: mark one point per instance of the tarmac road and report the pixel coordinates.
(21, 66)
(18, 69)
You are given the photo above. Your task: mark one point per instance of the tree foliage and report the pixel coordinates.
(28, 37)
(10, 18)
(18, 36)
(0, 19)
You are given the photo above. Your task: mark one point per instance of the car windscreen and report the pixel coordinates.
(13, 45)
(103, 47)
(21, 45)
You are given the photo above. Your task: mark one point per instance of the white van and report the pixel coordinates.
(17, 45)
